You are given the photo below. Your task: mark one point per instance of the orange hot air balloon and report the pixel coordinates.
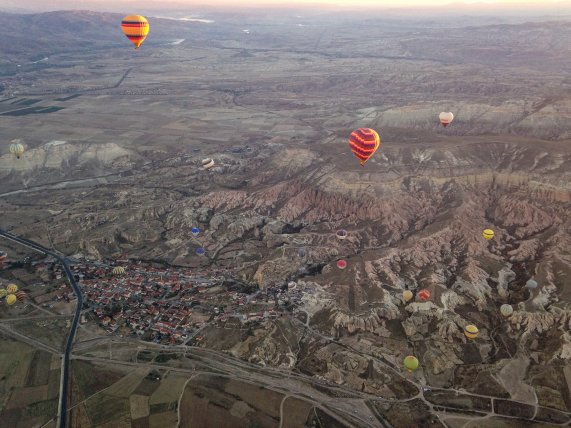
(136, 28)
(424, 294)
(364, 142)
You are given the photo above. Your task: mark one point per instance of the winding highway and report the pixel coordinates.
(64, 384)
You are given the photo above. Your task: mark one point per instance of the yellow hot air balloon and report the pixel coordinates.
(11, 299)
(407, 295)
(12, 288)
(471, 331)
(17, 149)
(118, 270)
(3, 293)
(136, 28)
(488, 234)
(411, 363)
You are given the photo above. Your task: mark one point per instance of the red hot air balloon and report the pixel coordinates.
(424, 294)
(364, 142)
(341, 264)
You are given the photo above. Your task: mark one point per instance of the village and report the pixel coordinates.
(160, 303)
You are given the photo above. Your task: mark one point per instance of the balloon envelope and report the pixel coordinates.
(364, 142)
(471, 331)
(424, 294)
(3, 293)
(195, 231)
(407, 295)
(341, 264)
(17, 149)
(136, 28)
(342, 234)
(12, 288)
(446, 117)
(506, 310)
(11, 299)
(118, 270)
(531, 284)
(200, 251)
(301, 252)
(411, 363)
(207, 163)
(488, 234)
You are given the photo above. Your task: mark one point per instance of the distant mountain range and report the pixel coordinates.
(32, 36)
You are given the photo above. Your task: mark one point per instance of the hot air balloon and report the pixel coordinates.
(471, 331)
(341, 264)
(301, 252)
(407, 295)
(17, 149)
(207, 163)
(12, 288)
(195, 231)
(3, 293)
(488, 234)
(3, 255)
(136, 28)
(364, 142)
(531, 284)
(200, 251)
(21, 296)
(11, 299)
(411, 363)
(424, 294)
(446, 118)
(342, 234)
(118, 270)
(506, 310)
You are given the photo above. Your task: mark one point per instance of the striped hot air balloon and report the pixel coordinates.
(136, 28)
(17, 149)
(364, 142)
(471, 331)
(424, 295)
(21, 296)
(488, 234)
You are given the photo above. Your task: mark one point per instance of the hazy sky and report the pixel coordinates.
(343, 3)
(479, 5)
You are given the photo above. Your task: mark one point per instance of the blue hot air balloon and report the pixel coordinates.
(195, 231)
(200, 251)
(301, 252)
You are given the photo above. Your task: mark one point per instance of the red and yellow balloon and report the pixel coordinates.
(136, 28)
(364, 142)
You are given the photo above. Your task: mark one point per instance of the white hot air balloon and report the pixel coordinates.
(446, 118)
(506, 310)
(207, 163)
(17, 149)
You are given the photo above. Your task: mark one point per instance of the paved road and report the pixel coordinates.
(62, 411)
